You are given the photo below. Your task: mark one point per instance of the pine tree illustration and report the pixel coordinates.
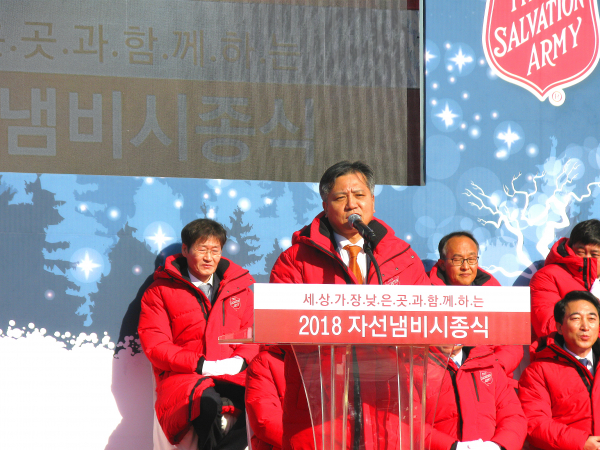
(34, 287)
(131, 262)
(272, 256)
(240, 234)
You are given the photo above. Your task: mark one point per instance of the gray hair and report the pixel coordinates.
(444, 241)
(344, 168)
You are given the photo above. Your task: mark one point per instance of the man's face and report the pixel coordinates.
(588, 251)
(349, 195)
(579, 327)
(203, 257)
(460, 248)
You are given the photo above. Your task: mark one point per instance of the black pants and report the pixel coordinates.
(208, 424)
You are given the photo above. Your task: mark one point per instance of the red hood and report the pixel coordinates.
(551, 347)
(227, 271)
(581, 268)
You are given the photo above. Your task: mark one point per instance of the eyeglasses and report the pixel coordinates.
(472, 261)
(203, 251)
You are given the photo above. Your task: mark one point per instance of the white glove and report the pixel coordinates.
(489, 445)
(470, 445)
(229, 366)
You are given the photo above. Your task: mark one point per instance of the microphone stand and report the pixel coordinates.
(369, 251)
(356, 445)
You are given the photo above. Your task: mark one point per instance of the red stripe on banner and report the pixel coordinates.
(377, 327)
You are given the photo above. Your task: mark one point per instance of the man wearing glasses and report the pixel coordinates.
(458, 266)
(197, 296)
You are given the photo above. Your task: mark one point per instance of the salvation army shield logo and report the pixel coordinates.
(486, 377)
(543, 46)
(235, 302)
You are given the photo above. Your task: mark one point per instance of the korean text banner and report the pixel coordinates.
(210, 89)
(389, 314)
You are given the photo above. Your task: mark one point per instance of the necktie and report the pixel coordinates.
(457, 361)
(206, 289)
(583, 361)
(353, 251)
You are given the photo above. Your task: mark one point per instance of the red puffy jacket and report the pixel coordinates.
(509, 356)
(265, 389)
(560, 397)
(488, 406)
(178, 326)
(562, 273)
(313, 258)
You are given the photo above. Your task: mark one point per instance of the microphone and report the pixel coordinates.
(356, 221)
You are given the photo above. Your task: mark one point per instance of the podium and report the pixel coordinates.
(371, 359)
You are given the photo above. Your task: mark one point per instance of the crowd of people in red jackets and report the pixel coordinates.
(199, 295)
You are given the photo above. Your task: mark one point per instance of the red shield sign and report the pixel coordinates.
(540, 45)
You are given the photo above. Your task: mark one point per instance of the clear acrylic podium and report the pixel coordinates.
(365, 397)
(371, 366)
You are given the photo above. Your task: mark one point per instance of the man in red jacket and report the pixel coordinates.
(458, 263)
(459, 266)
(559, 391)
(196, 297)
(571, 265)
(331, 251)
(471, 404)
(265, 389)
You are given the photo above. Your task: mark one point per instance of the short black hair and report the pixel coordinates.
(344, 168)
(586, 232)
(201, 230)
(573, 296)
(444, 241)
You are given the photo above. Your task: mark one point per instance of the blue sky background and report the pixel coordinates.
(517, 172)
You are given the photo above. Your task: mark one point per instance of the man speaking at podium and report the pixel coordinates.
(330, 250)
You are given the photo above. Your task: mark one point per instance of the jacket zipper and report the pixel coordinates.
(580, 370)
(201, 302)
(475, 385)
(452, 374)
(335, 257)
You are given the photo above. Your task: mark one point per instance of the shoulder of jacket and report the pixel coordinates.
(167, 280)
(403, 256)
(549, 272)
(236, 272)
(304, 248)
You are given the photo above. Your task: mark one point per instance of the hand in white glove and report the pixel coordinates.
(229, 366)
(470, 445)
(489, 445)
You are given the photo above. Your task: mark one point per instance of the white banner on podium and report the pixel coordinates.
(409, 315)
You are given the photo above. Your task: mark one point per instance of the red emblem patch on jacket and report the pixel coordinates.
(395, 281)
(486, 377)
(235, 302)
